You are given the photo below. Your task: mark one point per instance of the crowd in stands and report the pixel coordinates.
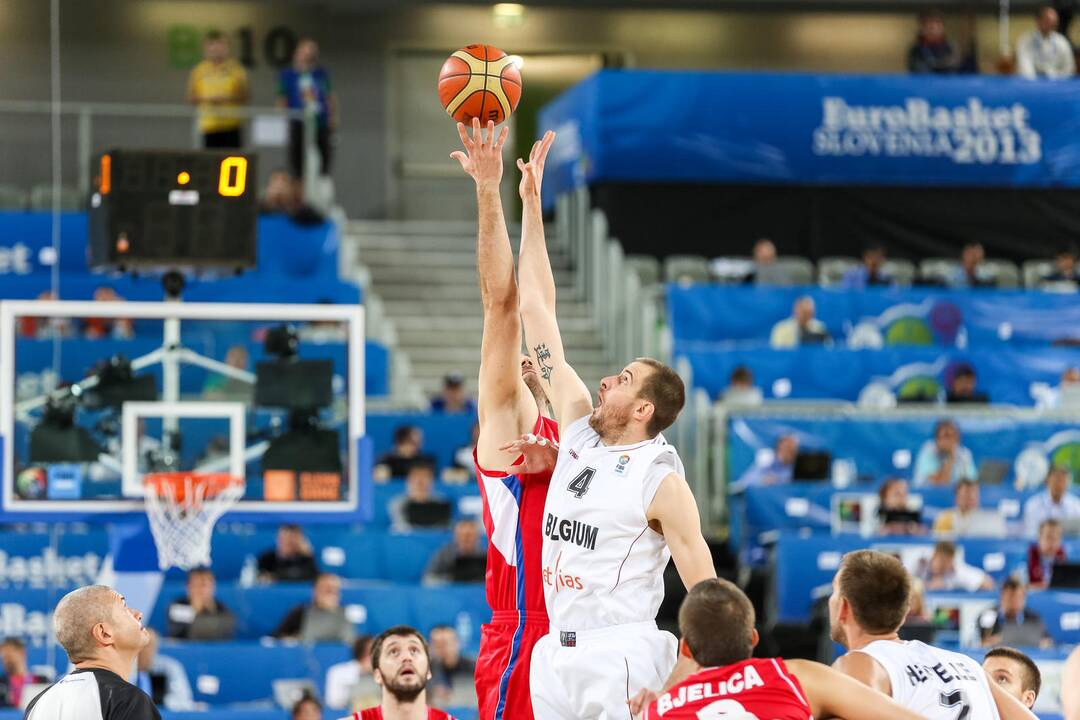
(1044, 52)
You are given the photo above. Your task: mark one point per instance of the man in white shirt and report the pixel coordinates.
(802, 328)
(1044, 52)
(352, 683)
(1053, 503)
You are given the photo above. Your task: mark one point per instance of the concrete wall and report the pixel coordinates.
(116, 50)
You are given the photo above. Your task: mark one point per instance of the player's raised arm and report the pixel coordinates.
(569, 396)
(505, 406)
(674, 509)
(832, 694)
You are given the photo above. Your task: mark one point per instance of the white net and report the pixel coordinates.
(183, 511)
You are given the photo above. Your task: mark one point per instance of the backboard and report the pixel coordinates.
(93, 395)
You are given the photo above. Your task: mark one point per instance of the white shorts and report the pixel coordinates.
(590, 675)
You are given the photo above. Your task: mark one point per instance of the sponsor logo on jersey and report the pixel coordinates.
(739, 681)
(620, 469)
(560, 578)
(571, 531)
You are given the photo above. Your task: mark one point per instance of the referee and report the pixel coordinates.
(102, 637)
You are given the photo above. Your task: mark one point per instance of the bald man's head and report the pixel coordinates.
(92, 618)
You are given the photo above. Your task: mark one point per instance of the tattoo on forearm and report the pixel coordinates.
(543, 359)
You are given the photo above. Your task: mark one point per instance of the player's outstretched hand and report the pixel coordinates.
(482, 158)
(642, 700)
(532, 172)
(540, 453)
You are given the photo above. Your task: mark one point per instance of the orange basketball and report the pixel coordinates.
(480, 81)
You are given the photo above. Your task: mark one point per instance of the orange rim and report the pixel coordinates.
(213, 483)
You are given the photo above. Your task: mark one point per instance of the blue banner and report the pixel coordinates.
(1012, 376)
(875, 317)
(715, 127)
(887, 446)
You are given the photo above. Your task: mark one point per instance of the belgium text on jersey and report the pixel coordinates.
(572, 531)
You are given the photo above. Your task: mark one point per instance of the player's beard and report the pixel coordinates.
(405, 693)
(610, 422)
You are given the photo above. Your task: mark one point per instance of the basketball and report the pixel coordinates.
(480, 81)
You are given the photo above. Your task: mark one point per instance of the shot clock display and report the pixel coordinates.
(167, 209)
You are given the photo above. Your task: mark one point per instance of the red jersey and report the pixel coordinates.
(375, 713)
(752, 689)
(513, 519)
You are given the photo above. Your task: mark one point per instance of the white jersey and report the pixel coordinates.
(935, 683)
(603, 564)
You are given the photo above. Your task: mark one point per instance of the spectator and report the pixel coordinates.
(452, 399)
(741, 390)
(1044, 52)
(916, 621)
(1055, 502)
(972, 273)
(226, 387)
(306, 86)
(463, 560)
(321, 620)
(116, 328)
(966, 518)
(407, 450)
(962, 387)
(766, 272)
(307, 708)
(463, 456)
(932, 51)
(452, 673)
(291, 560)
(778, 468)
(943, 571)
(943, 460)
(200, 615)
(419, 507)
(895, 515)
(1044, 553)
(1011, 622)
(351, 683)
(1065, 395)
(44, 328)
(162, 678)
(285, 196)
(1015, 673)
(218, 85)
(17, 673)
(869, 273)
(1065, 275)
(802, 328)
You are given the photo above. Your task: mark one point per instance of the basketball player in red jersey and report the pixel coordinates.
(513, 478)
(402, 667)
(717, 625)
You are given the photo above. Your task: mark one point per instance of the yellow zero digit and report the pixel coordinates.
(231, 185)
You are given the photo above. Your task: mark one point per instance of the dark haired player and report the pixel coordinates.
(513, 477)
(1015, 672)
(402, 667)
(871, 592)
(729, 684)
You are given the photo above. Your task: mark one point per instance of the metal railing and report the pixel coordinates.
(93, 127)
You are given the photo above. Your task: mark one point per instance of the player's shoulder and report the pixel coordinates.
(434, 714)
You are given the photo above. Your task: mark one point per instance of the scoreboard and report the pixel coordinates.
(164, 209)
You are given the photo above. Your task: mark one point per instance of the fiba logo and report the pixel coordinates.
(725, 710)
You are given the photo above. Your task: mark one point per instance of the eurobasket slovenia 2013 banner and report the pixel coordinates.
(659, 126)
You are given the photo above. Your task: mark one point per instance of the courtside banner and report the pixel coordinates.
(659, 126)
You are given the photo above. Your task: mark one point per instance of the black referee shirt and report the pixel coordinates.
(92, 694)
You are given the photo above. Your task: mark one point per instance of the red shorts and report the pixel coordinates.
(502, 668)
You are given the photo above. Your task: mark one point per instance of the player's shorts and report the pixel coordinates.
(502, 668)
(591, 675)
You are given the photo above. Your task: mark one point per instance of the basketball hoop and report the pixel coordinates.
(183, 508)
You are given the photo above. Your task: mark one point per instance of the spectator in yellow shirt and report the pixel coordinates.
(217, 86)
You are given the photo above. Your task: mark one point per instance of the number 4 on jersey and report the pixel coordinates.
(580, 485)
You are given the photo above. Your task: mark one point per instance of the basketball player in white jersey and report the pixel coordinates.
(617, 509)
(869, 602)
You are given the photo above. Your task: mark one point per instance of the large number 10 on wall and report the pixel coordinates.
(185, 46)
